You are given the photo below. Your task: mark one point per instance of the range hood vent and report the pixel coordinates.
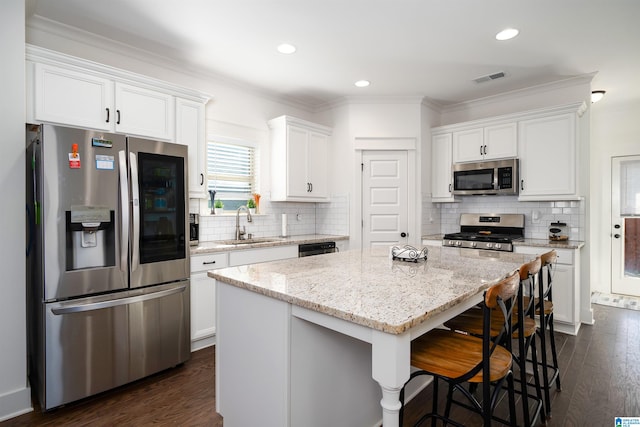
(489, 77)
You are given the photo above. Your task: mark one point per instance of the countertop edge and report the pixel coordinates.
(213, 247)
(542, 243)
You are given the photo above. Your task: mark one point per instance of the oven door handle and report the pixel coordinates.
(79, 308)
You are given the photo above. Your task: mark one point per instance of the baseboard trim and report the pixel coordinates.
(15, 403)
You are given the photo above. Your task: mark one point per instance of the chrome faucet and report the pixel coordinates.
(240, 234)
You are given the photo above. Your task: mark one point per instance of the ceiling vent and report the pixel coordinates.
(489, 77)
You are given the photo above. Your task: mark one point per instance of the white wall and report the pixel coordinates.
(14, 394)
(357, 118)
(615, 131)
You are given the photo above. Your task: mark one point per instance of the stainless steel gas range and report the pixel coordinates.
(494, 232)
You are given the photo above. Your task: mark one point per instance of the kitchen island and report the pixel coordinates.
(325, 340)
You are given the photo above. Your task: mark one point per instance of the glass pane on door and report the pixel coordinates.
(632, 247)
(162, 207)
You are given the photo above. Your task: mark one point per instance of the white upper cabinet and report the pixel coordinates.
(299, 160)
(546, 142)
(82, 99)
(190, 131)
(71, 91)
(548, 158)
(441, 175)
(485, 143)
(73, 98)
(144, 112)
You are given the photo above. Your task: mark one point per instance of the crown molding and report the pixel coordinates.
(532, 90)
(37, 23)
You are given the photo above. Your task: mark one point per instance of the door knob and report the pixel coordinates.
(617, 236)
(403, 234)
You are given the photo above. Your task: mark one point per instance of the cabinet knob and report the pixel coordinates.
(201, 179)
(617, 236)
(617, 226)
(107, 115)
(117, 117)
(208, 262)
(403, 234)
(522, 184)
(449, 188)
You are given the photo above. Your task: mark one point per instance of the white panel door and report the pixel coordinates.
(625, 225)
(384, 198)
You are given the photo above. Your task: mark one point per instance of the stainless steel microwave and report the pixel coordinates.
(490, 177)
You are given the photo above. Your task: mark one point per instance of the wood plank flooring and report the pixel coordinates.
(600, 371)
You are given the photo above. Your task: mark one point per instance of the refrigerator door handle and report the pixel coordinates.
(135, 244)
(124, 202)
(78, 308)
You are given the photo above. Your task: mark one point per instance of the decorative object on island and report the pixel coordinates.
(256, 199)
(212, 195)
(251, 205)
(408, 253)
(218, 206)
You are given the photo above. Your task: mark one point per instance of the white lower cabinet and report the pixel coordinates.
(203, 287)
(566, 287)
(203, 298)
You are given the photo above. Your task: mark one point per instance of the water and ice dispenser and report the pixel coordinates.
(90, 241)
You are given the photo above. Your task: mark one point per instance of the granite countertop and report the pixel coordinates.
(543, 243)
(263, 242)
(369, 289)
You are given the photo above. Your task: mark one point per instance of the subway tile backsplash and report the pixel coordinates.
(570, 212)
(302, 218)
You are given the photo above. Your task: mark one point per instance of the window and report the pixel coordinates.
(231, 171)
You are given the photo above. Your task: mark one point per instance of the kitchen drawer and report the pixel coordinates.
(209, 262)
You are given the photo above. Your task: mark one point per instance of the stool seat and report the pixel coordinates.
(452, 355)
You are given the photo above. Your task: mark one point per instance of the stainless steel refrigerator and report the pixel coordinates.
(107, 260)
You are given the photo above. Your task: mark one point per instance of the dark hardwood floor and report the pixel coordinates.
(600, 371)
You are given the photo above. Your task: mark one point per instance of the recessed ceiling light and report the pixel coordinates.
(507, 34)
(286, 48)
(597, 95)
(362, 83)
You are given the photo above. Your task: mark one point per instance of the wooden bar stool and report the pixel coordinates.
(523, 330)
(544, 311)
(458, 359)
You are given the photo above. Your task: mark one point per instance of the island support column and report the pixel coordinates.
(391, 358)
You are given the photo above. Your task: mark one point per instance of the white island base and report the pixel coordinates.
(275, 368)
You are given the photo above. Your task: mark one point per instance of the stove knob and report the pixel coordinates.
(458, 243)
(498, 245)
(451, 243)
(474, 244)
(489, 245)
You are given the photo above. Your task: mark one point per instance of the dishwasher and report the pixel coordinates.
(309, 249)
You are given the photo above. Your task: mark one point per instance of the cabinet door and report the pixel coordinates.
(144, 112)
(547, 148)
(203, 306)
(563, 294)
(500, 141)
(468, 145)
(190, 131)
(441, 185)
(73, 98)
(297, 154)
(317, 165)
